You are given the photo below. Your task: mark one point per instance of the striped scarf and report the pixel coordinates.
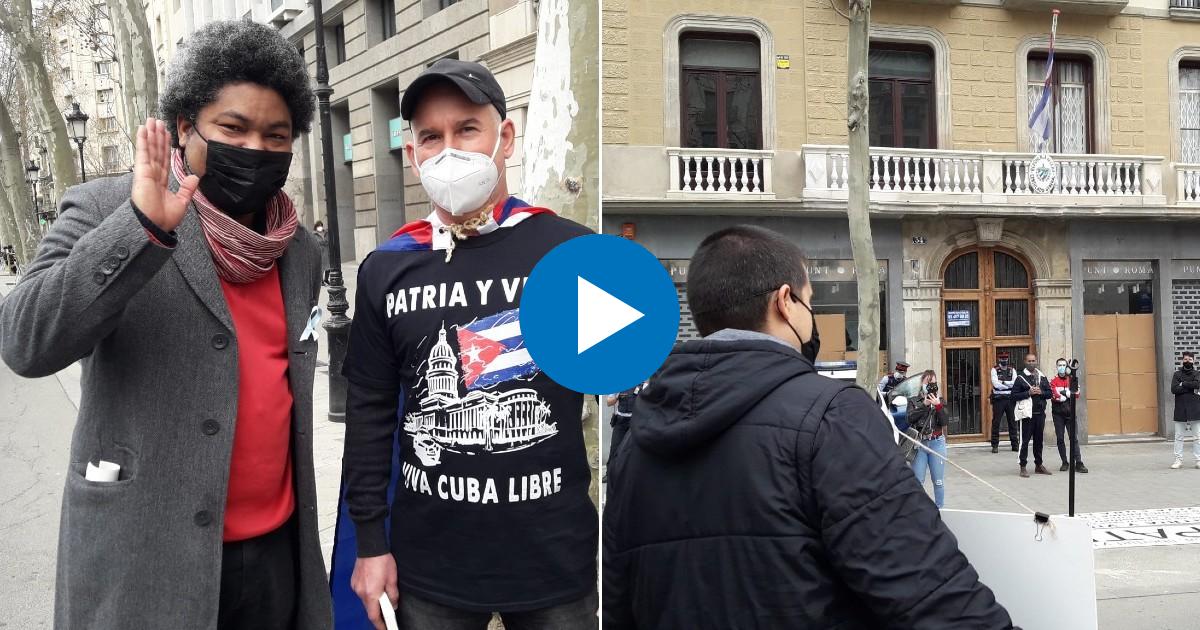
(240, 254)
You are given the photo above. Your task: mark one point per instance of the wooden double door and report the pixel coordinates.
(987, 308)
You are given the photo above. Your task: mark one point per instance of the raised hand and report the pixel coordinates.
(151, 172)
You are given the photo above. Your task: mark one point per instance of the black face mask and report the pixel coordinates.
(812, 347)
(240, 181)
(1188, 367)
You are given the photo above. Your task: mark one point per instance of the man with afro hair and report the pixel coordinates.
(187, 289)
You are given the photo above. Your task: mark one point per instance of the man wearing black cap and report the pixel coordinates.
(1003, 405)
(491, 513)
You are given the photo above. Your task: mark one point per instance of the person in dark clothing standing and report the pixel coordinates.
(623, 412)
(754, 493)
(1184, 384)
(492, 513)
(1003, 377)
(889, 382)
(928, 417)
(1032, 385)
(1064, 417)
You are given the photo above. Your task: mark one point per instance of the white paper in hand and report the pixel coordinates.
(389, 612)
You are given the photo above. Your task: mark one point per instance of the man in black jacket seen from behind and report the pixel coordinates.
(754, 493)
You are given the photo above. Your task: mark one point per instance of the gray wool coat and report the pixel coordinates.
(160, 391)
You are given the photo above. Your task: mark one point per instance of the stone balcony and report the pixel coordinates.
(1096, 7)
(902, 181)
(971, 178)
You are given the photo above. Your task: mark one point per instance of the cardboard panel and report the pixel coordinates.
(833, 333)
(1099, 327)
(1139, 390)
(1102, 387)
(1137, 361)
(1100, 356)
(829, 355)
(1139, 420)
(1103, 416)
(1135, 331)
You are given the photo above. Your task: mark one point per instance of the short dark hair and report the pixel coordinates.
(928, 374)
(733, 273)
(235, 51)
(1189, 354)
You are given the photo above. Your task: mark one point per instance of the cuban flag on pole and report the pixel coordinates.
(1042, 117)
(492, 350)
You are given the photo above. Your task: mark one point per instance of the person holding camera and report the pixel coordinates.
(928, 417)
(1031, 391)
(1003, 377)
(1184, 385)
(1061, 393)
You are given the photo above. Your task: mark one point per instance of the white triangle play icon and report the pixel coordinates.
(601, 315)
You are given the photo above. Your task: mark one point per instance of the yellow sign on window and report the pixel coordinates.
(783, 62)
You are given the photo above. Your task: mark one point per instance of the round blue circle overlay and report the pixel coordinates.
(608, 270)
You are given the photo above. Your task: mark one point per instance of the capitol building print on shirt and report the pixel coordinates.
(479, 422)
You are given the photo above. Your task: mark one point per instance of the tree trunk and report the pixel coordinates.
(16, 207)
(16, 23)
(135, 55)
(562, 138)
(858, 207)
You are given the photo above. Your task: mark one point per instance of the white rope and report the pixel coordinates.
(969, 473)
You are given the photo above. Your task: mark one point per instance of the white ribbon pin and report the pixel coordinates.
(314, 320)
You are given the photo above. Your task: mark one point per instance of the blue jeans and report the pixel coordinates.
(936, 466)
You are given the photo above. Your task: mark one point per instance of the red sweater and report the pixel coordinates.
(260, 497)
(1055, 384)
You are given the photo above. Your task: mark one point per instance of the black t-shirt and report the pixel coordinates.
(492, 512)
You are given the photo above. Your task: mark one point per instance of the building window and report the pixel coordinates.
(339, 44)
(103, 68)
(1189, 113)
(721, 91)
(106, 124)
(445, 4)
(387, 9)
(1070, 102)
(902, 107)
(104, 96)
(111, 158)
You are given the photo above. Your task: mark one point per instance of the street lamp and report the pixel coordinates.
(31, 178)
(338, 325)
(77, 125)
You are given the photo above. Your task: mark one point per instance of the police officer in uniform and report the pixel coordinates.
(889, 382)
(1003, 405)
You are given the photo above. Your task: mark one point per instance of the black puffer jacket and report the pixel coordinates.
(757, 494)
(1187, 402)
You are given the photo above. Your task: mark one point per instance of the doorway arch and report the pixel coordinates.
(988, 306)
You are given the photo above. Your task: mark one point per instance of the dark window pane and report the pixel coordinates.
(1119, 297)
(900, 64)
(962, 391)
(916, 114)
(1010, 273)
(703, 52)
(742, 113)
(963, 273)
(700, 102)
(954, 310)
(882, 126)
(1016, 358)
(1012, 318)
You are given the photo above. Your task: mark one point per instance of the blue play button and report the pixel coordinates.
(599, 314)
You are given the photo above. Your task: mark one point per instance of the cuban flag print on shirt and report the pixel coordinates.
(492, 351)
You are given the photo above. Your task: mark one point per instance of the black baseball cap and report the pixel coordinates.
(475, 81)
